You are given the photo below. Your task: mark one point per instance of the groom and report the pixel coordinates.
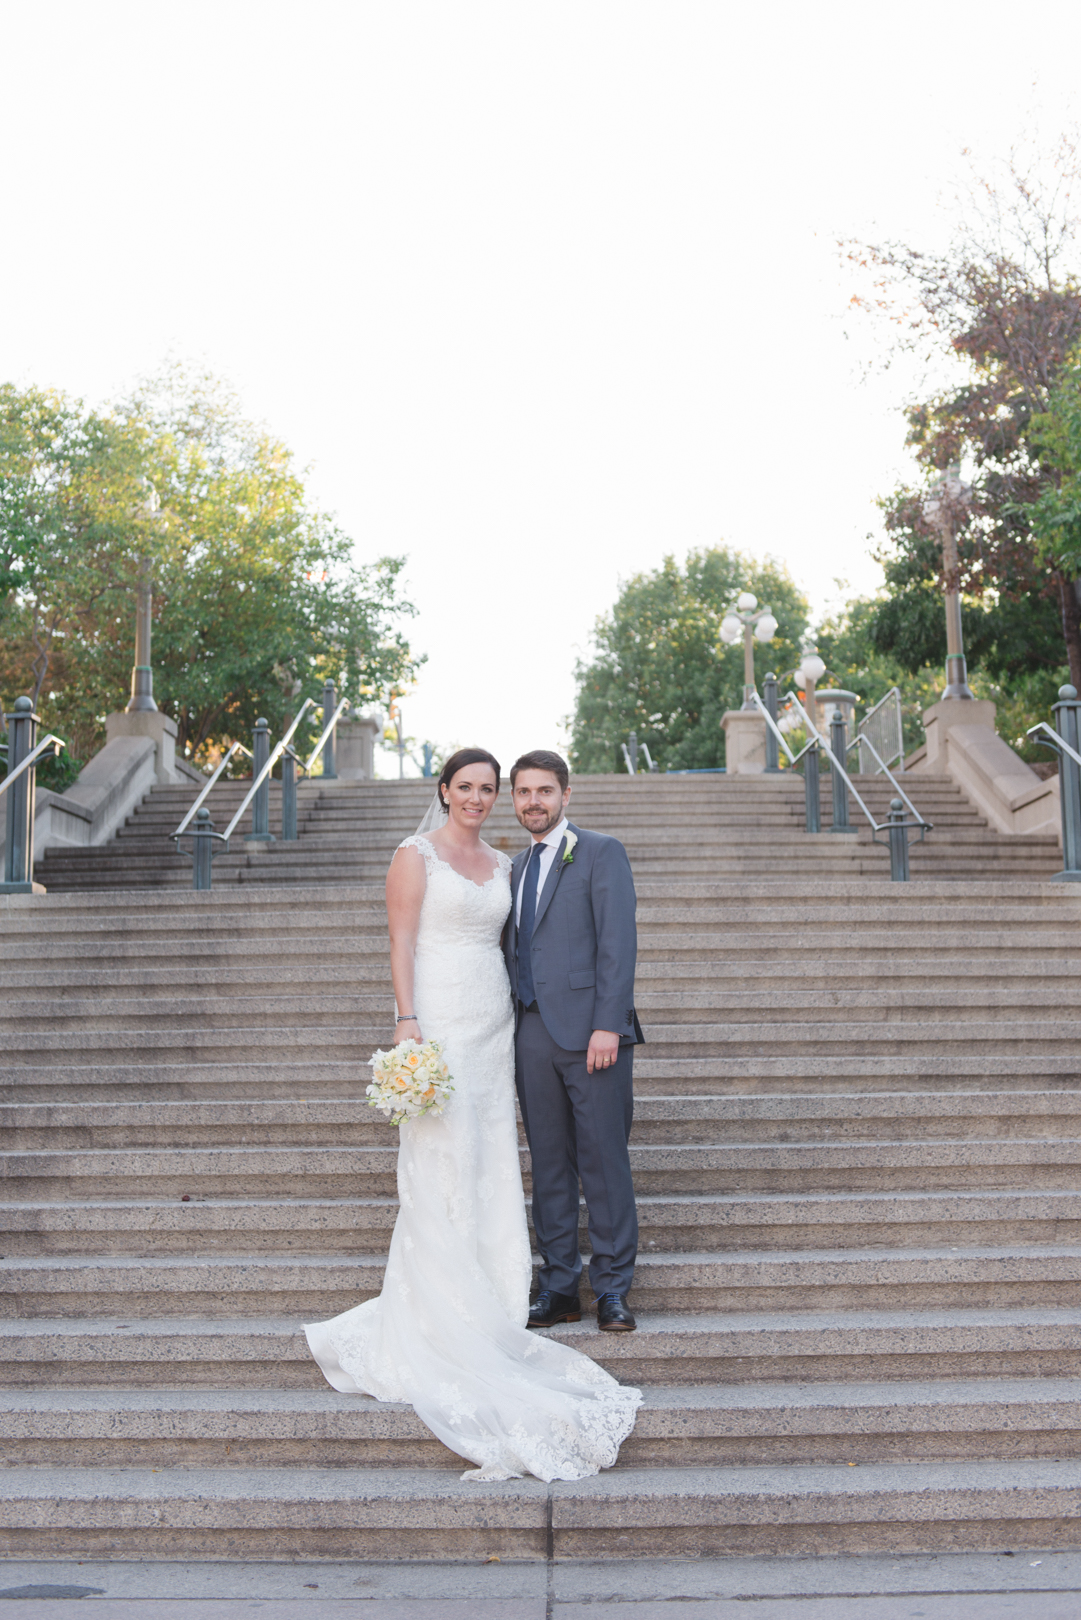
(570, 948)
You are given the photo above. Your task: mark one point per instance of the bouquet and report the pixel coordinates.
(409, 1080)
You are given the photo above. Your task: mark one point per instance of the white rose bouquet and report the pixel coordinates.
(409, 1080)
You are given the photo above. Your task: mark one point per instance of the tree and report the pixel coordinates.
(1056, 435)
(1004, 301)
(256, 595)
(660, 669)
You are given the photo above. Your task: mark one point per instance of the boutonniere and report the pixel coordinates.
(568, 853)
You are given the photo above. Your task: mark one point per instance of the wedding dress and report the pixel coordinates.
(447, 1333)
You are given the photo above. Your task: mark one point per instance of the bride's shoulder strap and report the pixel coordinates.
(423, 847)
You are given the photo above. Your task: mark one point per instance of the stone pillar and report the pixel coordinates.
(356, 747)
(941, 717)
(744, 742)
(148, 723)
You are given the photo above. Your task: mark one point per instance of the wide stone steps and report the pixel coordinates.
(776, 1280)
(240, 1172)
(369, 1016)
(674, 1222)
(732, 827)
(681, 1426)
(714, 1075)
(686, 1120)
(712, 1348)
(856, 1148)
(354, 1514)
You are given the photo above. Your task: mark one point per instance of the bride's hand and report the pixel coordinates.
(409, 1030)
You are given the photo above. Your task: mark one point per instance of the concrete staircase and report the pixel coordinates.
(672, 826)
(857, 1156)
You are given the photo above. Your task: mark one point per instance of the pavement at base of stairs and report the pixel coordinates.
(1022, 1585)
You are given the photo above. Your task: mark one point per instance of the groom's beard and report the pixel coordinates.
(539, 821)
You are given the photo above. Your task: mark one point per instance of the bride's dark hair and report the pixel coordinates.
(457, 762)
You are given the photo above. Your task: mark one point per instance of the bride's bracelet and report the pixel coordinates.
(406, 1018)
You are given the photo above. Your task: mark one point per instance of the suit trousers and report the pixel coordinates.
(577, 1126)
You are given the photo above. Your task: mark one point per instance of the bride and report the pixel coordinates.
(448, 1333)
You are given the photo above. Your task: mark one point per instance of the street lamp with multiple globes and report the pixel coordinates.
(807, 677)
(942, 507)
(753, 623)
(142, 676)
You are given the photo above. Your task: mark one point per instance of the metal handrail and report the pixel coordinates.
(1059, 742)
(237, 748)
(835, 764)
(794, 759)
(894, 691)
(327, 729)
(275, 755)
(882, 766)
(55, 743)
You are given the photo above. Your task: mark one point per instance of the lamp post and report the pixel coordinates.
(142, 676)
(808, 675)
(753, 623)
(941, 507)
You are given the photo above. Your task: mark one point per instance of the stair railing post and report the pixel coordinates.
(838, 749)
(769, 698)
(898, 834)
(1067, 712)
(632, 743)
(260, 806)
(289, 797)
(811, 791)
(330, 703)
(21, 799)
(202, 850)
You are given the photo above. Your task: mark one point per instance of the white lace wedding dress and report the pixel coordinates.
(447, 1333)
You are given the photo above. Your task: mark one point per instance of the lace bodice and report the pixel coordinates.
(457, 912)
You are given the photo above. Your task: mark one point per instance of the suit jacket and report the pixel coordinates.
(584, 942)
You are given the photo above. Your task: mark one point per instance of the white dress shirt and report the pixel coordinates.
(549, 844)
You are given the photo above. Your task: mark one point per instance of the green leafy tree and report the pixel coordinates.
(660, 668)
(1056, 436)
(257, 598)
(1004, 300)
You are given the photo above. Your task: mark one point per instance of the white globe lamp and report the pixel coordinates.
(746, 602)
(766, 628)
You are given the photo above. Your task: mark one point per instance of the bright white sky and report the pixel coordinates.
(540, 293)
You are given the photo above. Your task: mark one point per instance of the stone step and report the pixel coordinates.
(683, 1426)
(316, 1286)
(369, 1013)
(759, 834)
(746, 1280)
(247, 1172)
(734, 1347)
(298, 1514)
(828, 1038)
(947, 955)
(714, 970)
(73, 1079)
(860, 862)
(670, 1222)
(786, 890)
(843, 1116)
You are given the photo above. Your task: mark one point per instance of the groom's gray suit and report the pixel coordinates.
(582, 958)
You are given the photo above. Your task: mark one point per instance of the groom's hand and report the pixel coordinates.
(602, 1051)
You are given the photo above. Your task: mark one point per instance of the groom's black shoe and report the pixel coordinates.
(548, 1309)
(613, 1315)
